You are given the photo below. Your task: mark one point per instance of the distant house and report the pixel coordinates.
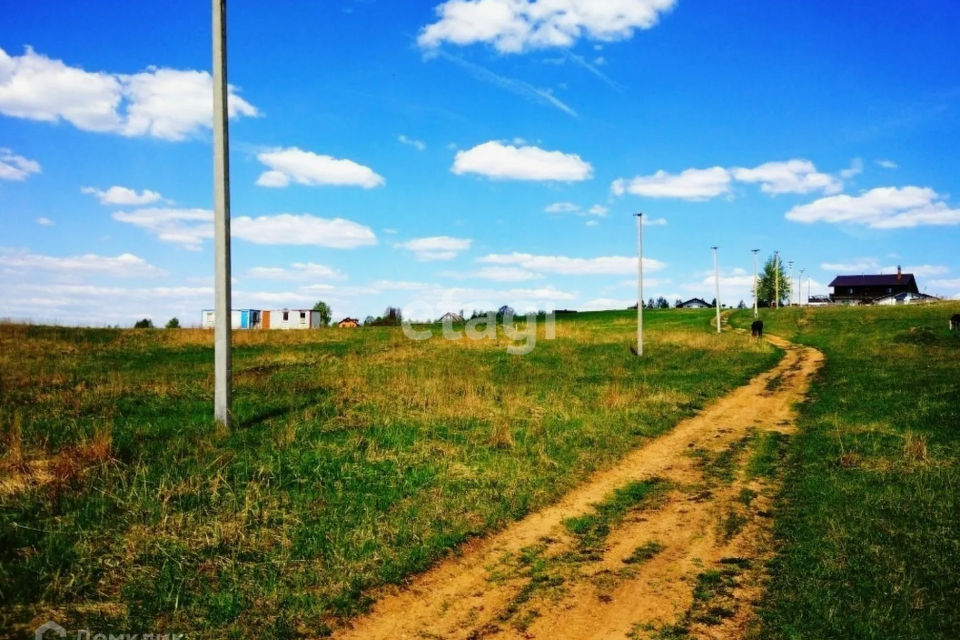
(907, 297)
(695, 303)
(819, 301)
(239, 319)
(866, 289)
(349, 323)
(451, 317)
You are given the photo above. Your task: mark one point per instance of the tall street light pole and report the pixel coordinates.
(716, 275)
(639, 217)
(776, 277)
(790, 281)
(221, 225)
(756, 294)
(800, 289)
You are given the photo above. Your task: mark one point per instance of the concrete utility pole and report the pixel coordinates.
(716, 275)
(776, 277)
(756, 294)
(222, 411)
(639, 217)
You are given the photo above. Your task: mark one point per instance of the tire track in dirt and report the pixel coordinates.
(705, 541)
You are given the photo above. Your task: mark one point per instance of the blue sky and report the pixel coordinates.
(471, 152)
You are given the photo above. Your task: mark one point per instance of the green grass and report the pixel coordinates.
(869, 522)
(357, 458)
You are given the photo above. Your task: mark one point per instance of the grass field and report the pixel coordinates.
(869, 522)
(358, 458)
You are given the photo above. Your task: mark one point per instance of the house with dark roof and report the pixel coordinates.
(865, 289)
(695, 303)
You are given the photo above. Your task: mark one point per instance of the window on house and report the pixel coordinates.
(303, 317)
(286, 316)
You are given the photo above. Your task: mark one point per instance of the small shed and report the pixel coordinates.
(450, 316)
(239, 319)
(290, 319)
(349, 323)
(695, 303)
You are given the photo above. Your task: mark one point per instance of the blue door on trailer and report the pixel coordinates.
(245, 319)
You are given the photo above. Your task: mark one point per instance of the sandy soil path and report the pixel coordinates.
(702, 542)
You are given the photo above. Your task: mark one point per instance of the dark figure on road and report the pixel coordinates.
(756, 329)
(955, 322)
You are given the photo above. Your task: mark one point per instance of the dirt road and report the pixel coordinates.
(684, 559)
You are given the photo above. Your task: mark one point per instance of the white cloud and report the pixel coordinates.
(562, 207)
(125, 265)
(506, 162)
(599, 210)
(514, 26)
(607, 265)
(45, 222)
(185, 227)
(507, 274)
(856, 168)
(861, 265)
(887, 164)
(919, 270)
(605, 304)
(435, 248)
(297, 271)
(792, 176)
(592, 223)
(647, 221)
(189, 227)
(123, 196)
(14, 167)
(308, 168)
(880, 208)
(692, 184)
(169, 104)
(420, 146)
(946, 284)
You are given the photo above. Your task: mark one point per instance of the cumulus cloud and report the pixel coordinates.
(190, 227)
(417, 144)
(45, 222)
(592, 223)
(887, 164)
(598, 210)
(297, 271)
(562, 207)
(647, 221)
(506, 162)
(514, 26)
(308, 168)
(792, 176)
(606, 265)
(123, 196)
(692, 184)
(435, 248)
(14, 167)
(125, 265)
(170, 104)
(880, 208)
(855, 169)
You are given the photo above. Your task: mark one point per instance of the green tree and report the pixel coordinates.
(767, 282)
(146, 323)
(325, 312)
(662, 303)
(174, 323)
